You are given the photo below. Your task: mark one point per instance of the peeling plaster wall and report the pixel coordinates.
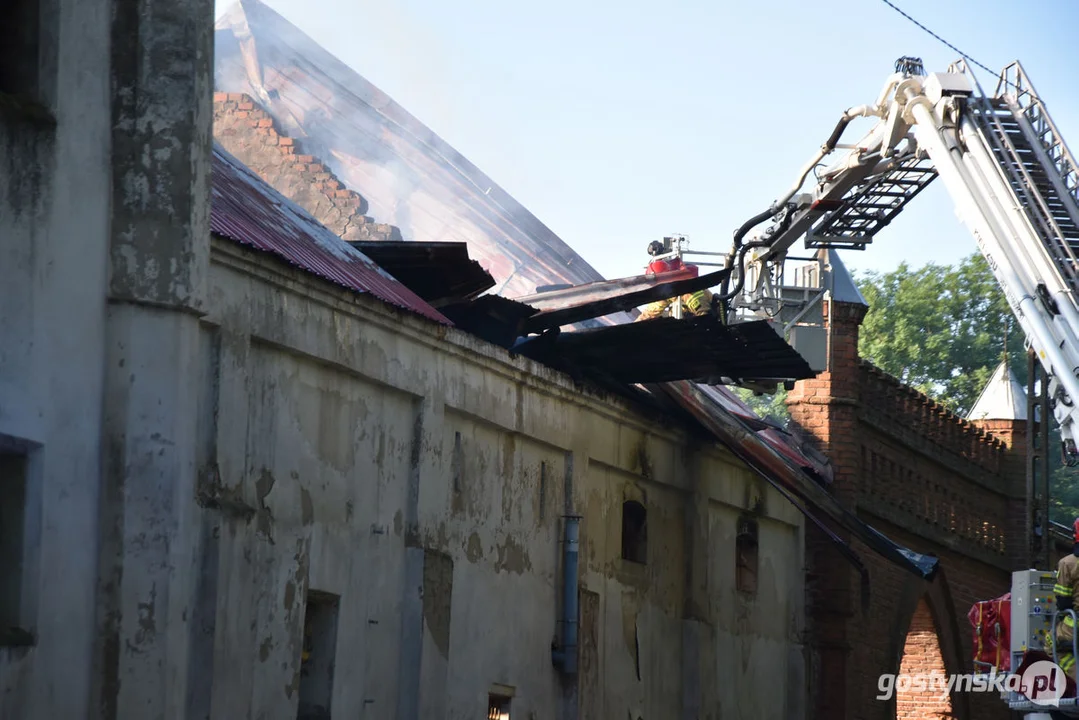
(54, 244)
(422, 476)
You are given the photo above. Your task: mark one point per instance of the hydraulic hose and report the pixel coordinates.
(739, 253)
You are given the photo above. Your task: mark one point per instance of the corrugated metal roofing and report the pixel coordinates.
(248, 211)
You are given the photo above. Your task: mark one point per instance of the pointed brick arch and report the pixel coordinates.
(922, 657)
(926, 636)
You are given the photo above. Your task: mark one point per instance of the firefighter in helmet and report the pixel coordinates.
(1066, 591)
(695, 303)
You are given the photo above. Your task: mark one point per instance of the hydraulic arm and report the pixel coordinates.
(1013, 181)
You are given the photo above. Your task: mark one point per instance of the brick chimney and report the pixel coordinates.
(826, 409)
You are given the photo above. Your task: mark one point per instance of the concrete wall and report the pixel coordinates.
(104, 248)
(55, 177)
(197, 445)
(347, 448)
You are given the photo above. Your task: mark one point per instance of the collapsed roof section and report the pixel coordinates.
(417, 182)
(570, 304)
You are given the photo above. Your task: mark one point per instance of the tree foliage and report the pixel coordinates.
(941, 329)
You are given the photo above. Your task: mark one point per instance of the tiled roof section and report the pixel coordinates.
(247, 210)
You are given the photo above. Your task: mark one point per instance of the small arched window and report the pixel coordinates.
(746, 558)
(634, 532)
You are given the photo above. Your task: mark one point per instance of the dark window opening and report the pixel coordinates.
(543, 491)
(498, 707)
(20, 48)
(634, 532)
(746, 556)
(13, 490)
(458, 462)
(317, 658)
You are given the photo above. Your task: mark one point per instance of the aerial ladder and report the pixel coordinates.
(1014, 184)
(1013, 181)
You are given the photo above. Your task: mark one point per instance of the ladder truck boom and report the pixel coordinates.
(1014, 184)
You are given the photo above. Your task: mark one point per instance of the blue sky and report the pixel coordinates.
(618, 122)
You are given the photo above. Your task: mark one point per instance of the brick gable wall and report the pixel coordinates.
(248, 132)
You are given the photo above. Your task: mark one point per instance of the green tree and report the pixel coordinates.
(765, 405)
(941, 329)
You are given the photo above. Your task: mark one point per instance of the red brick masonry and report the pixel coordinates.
(931, 481)
(248, 132)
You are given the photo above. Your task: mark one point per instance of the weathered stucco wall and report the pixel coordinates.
(346, 447)
(54, 239)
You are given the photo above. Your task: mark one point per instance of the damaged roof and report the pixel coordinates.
(566, 305)
(410, 177)
(667, 349)
(439, 272)
(248, 211)
(414, 180)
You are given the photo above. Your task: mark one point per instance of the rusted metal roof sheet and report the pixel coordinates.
(248, 211)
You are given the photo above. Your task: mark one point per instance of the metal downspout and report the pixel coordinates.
(565, 656)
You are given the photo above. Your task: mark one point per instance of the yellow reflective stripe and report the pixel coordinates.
(1068, 621)
(1067, 662)
(1062, 590)
(695, 301)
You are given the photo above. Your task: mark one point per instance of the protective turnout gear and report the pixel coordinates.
(698, 303)
(1066, 590)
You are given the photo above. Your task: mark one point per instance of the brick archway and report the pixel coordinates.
(923, 633)
(922, 659)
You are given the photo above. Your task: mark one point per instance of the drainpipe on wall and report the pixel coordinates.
(565, 656)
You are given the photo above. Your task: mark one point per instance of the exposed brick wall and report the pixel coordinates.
(922, 659)
(930, 481)
(247, 131)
